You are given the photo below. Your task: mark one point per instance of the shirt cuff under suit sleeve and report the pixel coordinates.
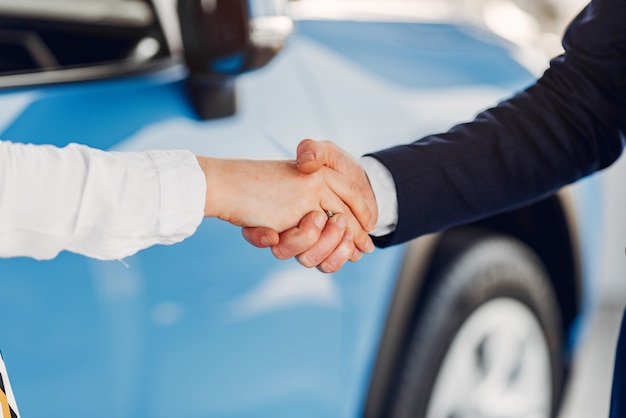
(384, 190)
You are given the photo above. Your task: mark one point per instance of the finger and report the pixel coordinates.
(328, 241)
(361, 238)
(340, 255)
(356, 255)
(260, 237)
(351, 196)
(311, 155)
(296, 240)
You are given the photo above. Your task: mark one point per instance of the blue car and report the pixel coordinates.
(480, 320)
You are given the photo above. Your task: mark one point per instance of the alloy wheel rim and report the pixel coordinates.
(498, 365)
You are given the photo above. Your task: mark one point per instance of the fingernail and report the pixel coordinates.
(369, 246)
(341, 220)
(306, 157)
(265, 241)
(320, 220)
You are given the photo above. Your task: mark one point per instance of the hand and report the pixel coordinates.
(313, 245)
(274, 194)
(318, 241)
(313, 155)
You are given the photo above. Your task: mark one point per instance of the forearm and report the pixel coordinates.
(105, 205)
(566, 126)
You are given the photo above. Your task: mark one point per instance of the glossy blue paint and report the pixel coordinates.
(212, 327)
(97, 113)
(426, 56)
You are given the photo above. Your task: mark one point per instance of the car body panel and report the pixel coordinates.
(212, 327)
(220, 336)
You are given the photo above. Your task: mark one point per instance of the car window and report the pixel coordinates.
(49, 35)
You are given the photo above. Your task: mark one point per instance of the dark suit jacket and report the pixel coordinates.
(618, 397)
(569, 124)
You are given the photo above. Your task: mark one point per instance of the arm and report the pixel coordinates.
(569, 124)
(274, 194)
(110, 205)
(105, 205)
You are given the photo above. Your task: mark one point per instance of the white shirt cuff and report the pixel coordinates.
(386, 196)
(183, 194)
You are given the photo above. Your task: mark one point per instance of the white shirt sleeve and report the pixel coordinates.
(386, 195)
(105, 205)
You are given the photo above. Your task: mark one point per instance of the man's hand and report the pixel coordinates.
(327, 246)
(313, 155)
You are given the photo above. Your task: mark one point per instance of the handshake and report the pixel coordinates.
(318, 208)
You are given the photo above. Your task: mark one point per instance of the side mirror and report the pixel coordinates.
(222, 39)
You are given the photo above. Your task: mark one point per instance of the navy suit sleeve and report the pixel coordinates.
(569, 124)
(618, 393)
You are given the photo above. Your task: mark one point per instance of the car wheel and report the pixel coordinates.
(486, 341)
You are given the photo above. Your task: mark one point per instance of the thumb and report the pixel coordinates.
(311, 155)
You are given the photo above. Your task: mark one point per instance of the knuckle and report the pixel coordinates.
(310, 236)
(334, 263)
(339, 258)
(361, 237)
(307, 260)
(354, 189)
(280, 252)
(327, 267)
(356, 255)
(314, 259)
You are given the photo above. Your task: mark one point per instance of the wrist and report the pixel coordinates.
(215, 200)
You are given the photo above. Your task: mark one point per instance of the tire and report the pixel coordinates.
(486, 341)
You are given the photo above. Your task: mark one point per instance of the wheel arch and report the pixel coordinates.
(547, 226)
